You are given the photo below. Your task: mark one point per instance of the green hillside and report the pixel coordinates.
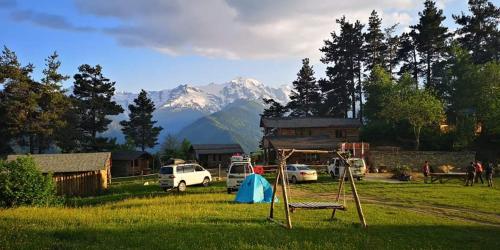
(236, 123)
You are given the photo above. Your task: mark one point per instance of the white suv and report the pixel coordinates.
(236, 174)
(358, 168)
(181, 175)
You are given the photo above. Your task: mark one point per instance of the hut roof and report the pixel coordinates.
(303, 142)
(60, 163)
(128, 155)
(309, 122)
(217, 148)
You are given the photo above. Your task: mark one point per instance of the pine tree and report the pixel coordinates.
(19, 101)
(140, 127)
(92, 94)
(430, 39)
(305, 97)
(479, 32)
(274, 108)
(53, 103)
(392, 45)
(344, 54)
(374, 47)
(407, 55)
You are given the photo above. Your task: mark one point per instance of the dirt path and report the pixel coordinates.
(453, 213)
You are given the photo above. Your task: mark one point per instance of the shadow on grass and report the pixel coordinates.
(253, 233)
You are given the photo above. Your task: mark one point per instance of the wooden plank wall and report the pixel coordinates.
(79, 183)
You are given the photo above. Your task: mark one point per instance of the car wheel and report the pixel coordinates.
(165, 189)
(294, 179)
(205, 182)
(181, 187)
(229, 191)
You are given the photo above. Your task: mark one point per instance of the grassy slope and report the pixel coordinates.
(206, 218)
(236, 123)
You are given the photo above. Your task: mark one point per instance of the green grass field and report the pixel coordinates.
(131, 215)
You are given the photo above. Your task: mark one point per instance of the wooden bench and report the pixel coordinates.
(315, 205)
(444, 177)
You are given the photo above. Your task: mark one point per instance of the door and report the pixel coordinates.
(189, 175)
(199, 173)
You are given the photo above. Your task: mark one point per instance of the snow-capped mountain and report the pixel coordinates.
(208, 98)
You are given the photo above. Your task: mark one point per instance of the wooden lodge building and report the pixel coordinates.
(319, 133)
(81, 174)
(129, 163)
(211, 155)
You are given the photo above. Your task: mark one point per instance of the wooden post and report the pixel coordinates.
(285, 195)
(271, 212)
(341, 185)
(356, 197)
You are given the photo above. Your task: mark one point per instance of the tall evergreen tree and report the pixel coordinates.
(407, 55)
(392, 45)
(305, 98)
(344, 54)
(20, 99)
(53, 103)
(430, 37)
(140, 127)
(92, 94)
(375, 47)
(274, 108)
(479, 31)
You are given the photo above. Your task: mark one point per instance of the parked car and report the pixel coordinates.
(238, 170)
(300, 172)
(358, 168)
(182, 175)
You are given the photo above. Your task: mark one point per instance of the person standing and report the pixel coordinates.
(479, 172)
(489, 174)
(426, 169)
(471, 171)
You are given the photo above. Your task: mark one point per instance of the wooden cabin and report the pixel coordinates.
(82, 174)
(213, 155)
(129, 163)
(306, 133)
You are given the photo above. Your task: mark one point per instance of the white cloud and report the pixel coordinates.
(247, 29)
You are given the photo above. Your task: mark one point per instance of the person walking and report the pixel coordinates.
(489, 174)
(426, 170)
(471, 171)
(479, 172)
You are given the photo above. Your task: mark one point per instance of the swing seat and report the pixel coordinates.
(316, 205)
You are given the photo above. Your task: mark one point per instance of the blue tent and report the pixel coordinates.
(254, 189)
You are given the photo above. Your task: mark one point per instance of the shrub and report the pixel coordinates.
(21, 183)
(403, 170)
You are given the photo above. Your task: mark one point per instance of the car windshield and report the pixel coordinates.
(240, 168)
(166, 170)
(303, 168)
(357, 163)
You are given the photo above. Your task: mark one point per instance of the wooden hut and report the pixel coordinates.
(82, 174)
(306, 133)
(128, 163)
(211, 155)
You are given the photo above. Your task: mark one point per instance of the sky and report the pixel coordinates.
(159, 44)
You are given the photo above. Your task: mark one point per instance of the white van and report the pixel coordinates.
(358, 168)
(239, 169)
(181, 175)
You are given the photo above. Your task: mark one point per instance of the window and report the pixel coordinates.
(240, 168)
(339, 133)
(214, 157)
(290, 168)
(166, 170)
(180, 169)
(188, 168)
(198, 168)
(304, 167)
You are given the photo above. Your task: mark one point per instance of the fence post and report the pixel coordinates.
(219, 172)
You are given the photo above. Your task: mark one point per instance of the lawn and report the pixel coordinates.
(132, 215)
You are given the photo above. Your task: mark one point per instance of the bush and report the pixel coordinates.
(403, 170)
(21, 183)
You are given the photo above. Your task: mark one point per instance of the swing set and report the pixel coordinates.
(282, 179)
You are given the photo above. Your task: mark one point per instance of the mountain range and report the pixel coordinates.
(214, 113)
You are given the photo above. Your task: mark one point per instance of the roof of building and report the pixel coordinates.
(309, 122)
(217, 148)
(61, 163)
(128, 155)
(303, 143)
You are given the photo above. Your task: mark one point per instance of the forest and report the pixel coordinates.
(427, 88)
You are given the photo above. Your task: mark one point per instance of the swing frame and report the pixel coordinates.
(283, 155)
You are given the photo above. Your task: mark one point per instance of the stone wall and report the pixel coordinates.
(415, 159)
